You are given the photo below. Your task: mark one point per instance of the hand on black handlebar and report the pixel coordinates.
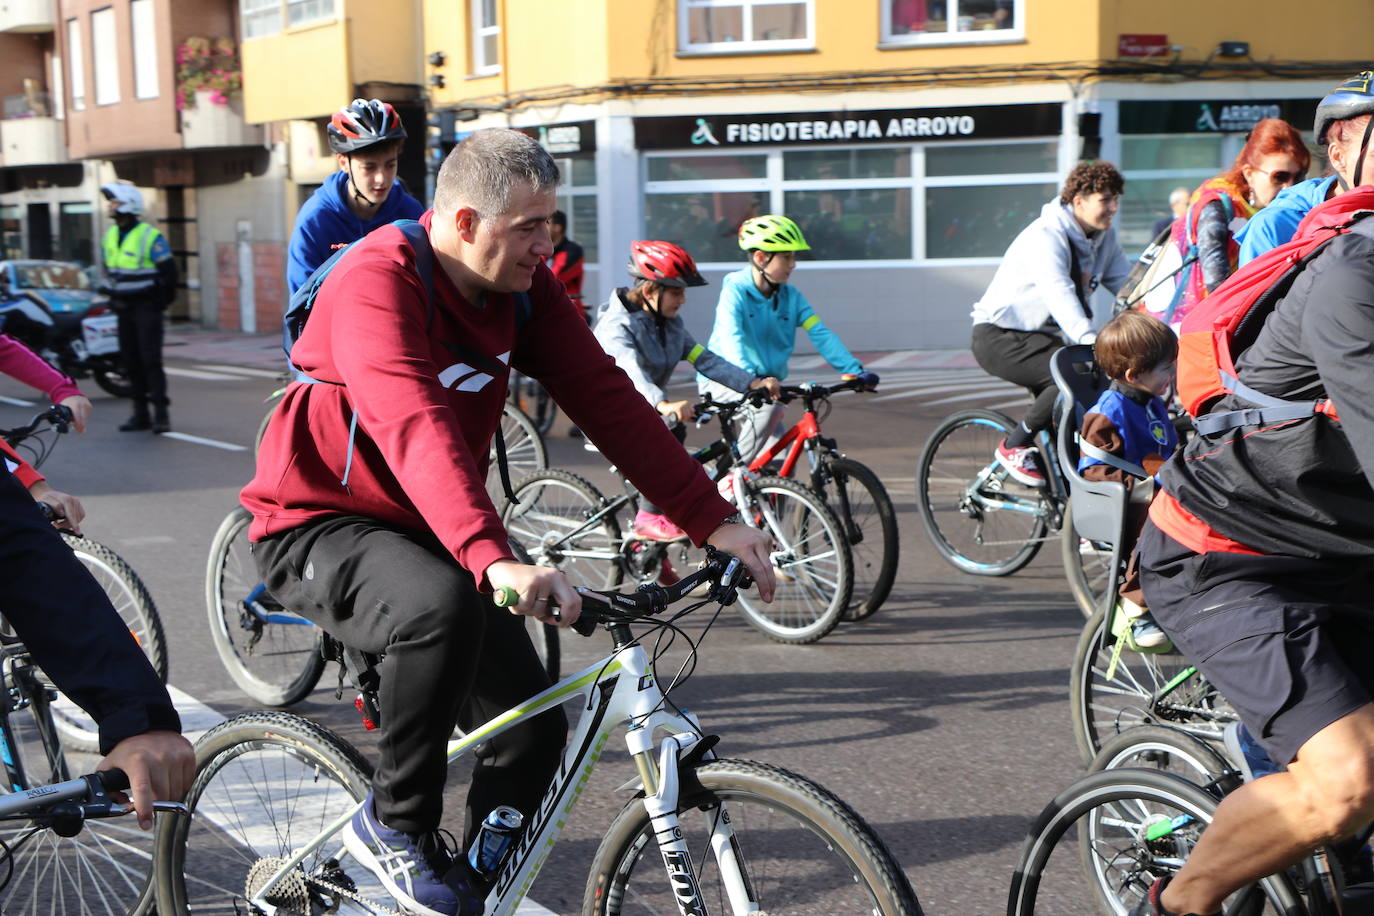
(537, 587)
(752, 547)
(769, 384)
(63, 509)
(78, 409)
(867, 381)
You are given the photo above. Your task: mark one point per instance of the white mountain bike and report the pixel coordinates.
(703, 834)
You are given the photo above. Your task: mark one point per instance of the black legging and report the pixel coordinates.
(1023, 358)
(140, 343)
(451, 656)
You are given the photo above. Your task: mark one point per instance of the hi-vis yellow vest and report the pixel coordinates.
(129, 264)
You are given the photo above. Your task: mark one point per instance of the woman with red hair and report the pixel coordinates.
(1274, 157)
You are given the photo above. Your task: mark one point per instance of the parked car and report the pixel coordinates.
(52, 308)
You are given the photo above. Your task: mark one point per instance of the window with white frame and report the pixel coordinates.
(577, 199)
(144, 31)
(1153, 165)
(486, 37)
(260, 17)
(745, 26)
(105, 56)
(855, 204)
(304, 12)
(76, 60)
(952, 21)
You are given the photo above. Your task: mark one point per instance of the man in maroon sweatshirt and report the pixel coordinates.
(388, 539)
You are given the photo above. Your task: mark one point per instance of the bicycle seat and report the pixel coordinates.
(1099, 506)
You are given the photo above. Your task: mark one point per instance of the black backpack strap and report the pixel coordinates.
(523, 309)
(1076, 275)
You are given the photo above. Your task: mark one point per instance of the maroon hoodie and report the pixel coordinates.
(428, 389)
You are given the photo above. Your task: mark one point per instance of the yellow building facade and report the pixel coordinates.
(912, 139)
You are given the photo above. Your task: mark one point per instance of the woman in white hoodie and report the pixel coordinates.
(1039, 299)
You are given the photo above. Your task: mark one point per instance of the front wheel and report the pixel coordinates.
(979, 518)
(272, 654)
(1119, 830)
(135, 607)
(869, 521)
(811, 562)
(802, 850)
(265, 784)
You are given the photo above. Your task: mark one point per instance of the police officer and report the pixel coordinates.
(141, 280)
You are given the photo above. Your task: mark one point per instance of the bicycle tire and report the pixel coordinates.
(276, 664)
(135, 607)
(811, 561)
(525, 450)
(1169, 750)
(849, 870)
(1117, 806)
(1103, 707)
(869, 522)
(550, 517)
(957, 452)
(543, 636)
(265, 783)
(1087, 566)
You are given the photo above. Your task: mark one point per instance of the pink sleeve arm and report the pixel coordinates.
(18, 361)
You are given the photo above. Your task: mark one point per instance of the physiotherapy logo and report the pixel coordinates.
(703, 134)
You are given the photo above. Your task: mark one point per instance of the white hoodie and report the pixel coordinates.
(1032, 284)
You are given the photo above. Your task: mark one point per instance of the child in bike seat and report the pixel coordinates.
(1130, 423)
(641, 330)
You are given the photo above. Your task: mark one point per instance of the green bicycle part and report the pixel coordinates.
(505, 596)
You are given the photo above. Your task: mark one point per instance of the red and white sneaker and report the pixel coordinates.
(652, 526)
(666, 574)
(1023, 464)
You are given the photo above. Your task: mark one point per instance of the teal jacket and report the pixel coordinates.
(758, 332)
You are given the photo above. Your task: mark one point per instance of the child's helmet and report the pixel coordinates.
(663, 263)
(771, 233)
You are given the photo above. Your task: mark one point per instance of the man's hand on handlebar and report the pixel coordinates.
(772, 385)
(160, 766)
(682, 411)
(753, 548)
(536, 585)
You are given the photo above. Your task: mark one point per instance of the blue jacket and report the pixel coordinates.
(1276, 223)
(325, 224)
(1144, 428)
(758, 332)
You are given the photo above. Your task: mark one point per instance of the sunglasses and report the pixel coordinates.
(1282, 177)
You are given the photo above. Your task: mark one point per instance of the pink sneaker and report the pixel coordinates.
(1023, 464)
(652, 526)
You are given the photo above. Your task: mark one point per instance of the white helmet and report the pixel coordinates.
(126, 195)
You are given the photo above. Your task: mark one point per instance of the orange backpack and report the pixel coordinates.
(1222, 326)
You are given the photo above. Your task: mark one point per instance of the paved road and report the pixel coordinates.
(943, 720)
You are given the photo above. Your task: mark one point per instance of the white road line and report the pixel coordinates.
(213, 443)
(197, 719)
(895, 358)
(196, 373)
(977, 391)
(243, 370)
(807, 362)
(17, 402)
(1019, 402)
(968, 397)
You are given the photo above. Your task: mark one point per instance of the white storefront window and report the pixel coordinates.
(952, 21)
(745, 26)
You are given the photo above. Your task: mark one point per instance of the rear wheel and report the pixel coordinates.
(135, 607)
(561, 520)
(979, 518)
(803, 850)
(265, 784)
(810, 557)
(1111, 692)
(869, 522)
(272, 654)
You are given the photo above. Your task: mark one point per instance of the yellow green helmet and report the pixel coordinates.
(771, 233)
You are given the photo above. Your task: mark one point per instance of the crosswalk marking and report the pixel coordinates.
(200, 440)
(179, 372)
(17, 402)
(242, 370)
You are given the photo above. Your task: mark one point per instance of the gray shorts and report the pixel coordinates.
(1288, 641)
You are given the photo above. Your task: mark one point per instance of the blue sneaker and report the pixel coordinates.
(1247, 753)
(410, 866)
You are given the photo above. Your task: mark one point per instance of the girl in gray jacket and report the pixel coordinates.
(639, 327)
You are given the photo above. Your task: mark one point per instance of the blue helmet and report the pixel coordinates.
(1348, 100)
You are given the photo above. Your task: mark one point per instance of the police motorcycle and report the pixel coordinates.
(52, 308)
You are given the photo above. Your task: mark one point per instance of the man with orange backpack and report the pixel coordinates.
(1256, 557)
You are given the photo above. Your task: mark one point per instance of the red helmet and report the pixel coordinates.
(362, 124)
(663, 263)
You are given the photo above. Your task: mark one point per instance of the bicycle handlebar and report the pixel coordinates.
(866, 381)
(727, 575)
(56, 417)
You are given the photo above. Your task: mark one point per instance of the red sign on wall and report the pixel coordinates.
(1142, 46)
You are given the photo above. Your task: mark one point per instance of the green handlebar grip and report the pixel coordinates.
(506, 597)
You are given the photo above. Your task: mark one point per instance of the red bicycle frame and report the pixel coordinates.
(805, 429)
